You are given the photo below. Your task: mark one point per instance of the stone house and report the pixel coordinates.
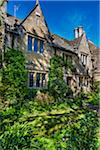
(33, 38)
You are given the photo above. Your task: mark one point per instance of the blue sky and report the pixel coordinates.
(63, 16)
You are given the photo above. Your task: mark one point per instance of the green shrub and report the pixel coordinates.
(60, 127)
(44, 98)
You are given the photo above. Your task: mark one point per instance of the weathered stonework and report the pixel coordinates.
(79, 50)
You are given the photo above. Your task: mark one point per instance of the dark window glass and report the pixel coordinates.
(41, 46)
(29, 43)
(87, 82)
(81, 81)
(35, 45)
(43, 80)
(38, 80)
(63, 56)
(66, 58)
(31, 80)
(69, 81)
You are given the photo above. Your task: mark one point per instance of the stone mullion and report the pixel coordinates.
(34, 79)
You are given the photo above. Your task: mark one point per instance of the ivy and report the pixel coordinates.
(57, 86)
(14, 76)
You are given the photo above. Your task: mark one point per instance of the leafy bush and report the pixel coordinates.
(44, 98)
(31, 93)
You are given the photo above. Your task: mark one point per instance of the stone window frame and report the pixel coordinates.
(84, 58)
(39, 40)
(43, 81)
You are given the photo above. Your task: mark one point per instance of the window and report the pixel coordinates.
(41, 46)
(38, 45)
(67, 58)
(35, 45)
(29, 43)
(31, 80)
(43, 80)
(84, 59)
(86, 82)
(63, 56)
(80, 81)
(38, 80)
(69, 81)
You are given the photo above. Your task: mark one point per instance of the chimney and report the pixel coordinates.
(76, 32)
(80, 31)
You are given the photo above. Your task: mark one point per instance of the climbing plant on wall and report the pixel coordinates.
(14, 75)
(57, 86)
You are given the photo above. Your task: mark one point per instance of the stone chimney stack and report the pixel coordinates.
(78, 32)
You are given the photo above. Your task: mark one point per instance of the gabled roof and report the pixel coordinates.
(34, 29)
(37, 4)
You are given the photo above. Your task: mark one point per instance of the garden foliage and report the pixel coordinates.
(41, 123)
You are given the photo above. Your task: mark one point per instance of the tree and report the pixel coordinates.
(57, 85)
(14, 76)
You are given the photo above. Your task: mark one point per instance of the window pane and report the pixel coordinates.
(29, 43)
(38, 80)
(31, 80)
(69, 81)
(41, 46)
(43, 80)
(35, 45)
